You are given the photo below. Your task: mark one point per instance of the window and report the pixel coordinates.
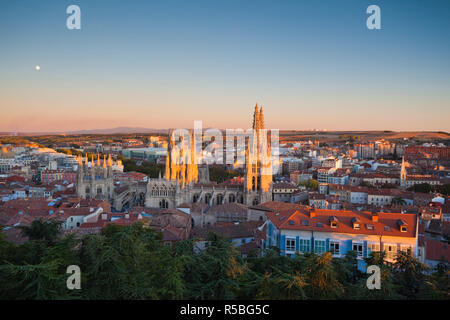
(334, 224)
(391, 251)
(404, 228)
(358, 247)
(373, 247)
(304, 245)
(334, 247)
(290, 244)
(406, 248)
(356, 226)
(319, 246)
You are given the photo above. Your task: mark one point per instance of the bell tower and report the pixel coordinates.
(258, 165)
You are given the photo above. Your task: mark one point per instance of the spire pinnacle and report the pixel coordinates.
(256, 117)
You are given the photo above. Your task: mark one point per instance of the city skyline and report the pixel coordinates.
(164, 65)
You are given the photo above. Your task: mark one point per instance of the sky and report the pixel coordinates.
(311, 64)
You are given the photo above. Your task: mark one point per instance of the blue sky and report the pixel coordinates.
(159, 64)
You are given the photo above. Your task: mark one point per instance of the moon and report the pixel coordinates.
(38, 68)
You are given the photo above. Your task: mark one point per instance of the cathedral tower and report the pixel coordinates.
(258, 165)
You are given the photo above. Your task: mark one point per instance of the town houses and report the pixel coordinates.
(302, 229)
(320, 195)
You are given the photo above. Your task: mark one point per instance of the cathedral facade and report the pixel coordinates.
(186, 178)
(95, 179)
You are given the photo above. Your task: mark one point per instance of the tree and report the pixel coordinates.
(348, 273)
(440, 280)
(127, 263)
(310, 184)
(39, 273)
(423, 187)
(46, 230)
(409, 275)
(388, 290)
(321, 278)
(398, 201)
(214, 272)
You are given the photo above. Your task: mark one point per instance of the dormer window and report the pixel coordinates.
(333, 222)
(402, 225)
(356, 223)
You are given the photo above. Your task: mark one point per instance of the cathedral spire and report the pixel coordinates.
(104, 161)
(261, 119)
(98, 160)
(256, 118)
(109, 160)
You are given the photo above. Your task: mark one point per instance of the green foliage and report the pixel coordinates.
(131, 262)
(151, 169)
(219, 174)
(423, 187)
(398, 201)
(427, 188)
(42, 230)
(310, 184)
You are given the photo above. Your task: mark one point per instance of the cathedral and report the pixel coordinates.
(186, 178)
(95, 179)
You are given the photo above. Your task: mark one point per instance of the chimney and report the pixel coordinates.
(104, 216)
(312, 212)
(374, 216)
(127, 216)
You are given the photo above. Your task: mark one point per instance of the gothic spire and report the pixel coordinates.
(261, 119)
(256, 118)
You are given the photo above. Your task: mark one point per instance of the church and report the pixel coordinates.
(188, 181)
(94, 179)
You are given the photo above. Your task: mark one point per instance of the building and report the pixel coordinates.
(298, 177)
(186, 181)
(283, 191)
(147, 154)
(379, 197)
(302, 229)
(95, 179)
(240, 233)
(49, 176)
(323, 173)
(409, 180)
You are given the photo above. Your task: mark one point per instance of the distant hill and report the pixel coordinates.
(118, 130)
(284, 134)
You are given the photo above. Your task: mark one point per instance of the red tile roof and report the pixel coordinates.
(436, 249)
(289, 217)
